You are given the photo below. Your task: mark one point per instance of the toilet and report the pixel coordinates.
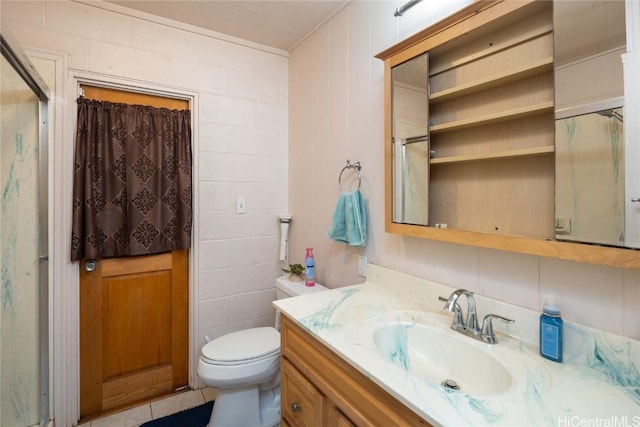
(245, 368)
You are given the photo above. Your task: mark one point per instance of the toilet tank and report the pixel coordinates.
(285, 288)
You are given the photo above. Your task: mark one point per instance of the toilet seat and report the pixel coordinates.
(242, 347)
(244, 366)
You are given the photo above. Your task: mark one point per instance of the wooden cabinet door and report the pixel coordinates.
(338, 419)
(302, 403)
(133, 330)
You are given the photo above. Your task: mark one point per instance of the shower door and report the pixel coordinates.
(24, 389)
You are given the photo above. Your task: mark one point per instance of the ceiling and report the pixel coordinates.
(275, 23)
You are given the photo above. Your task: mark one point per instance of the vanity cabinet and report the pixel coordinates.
(487, 134)
(321, 389)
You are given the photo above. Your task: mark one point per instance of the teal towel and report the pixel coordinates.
(349, 220)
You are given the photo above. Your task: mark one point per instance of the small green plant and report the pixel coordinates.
(294, 269)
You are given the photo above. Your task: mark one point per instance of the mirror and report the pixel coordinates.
(589, 39)
(590, 177)
(589, 42)
(410, 141)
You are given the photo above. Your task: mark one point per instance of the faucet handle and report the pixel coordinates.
(458, 322)
(488, 335)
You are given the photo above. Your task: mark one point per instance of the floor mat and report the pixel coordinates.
(194, 417)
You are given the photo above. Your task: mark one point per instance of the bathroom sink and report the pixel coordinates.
(424, 347)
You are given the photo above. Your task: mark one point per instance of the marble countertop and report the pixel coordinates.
(541, 392)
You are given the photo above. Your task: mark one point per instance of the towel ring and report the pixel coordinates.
(349, 165)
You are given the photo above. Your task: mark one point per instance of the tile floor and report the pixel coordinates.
(157, 409)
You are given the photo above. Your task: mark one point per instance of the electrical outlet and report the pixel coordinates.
(241, 205)
(362, 266)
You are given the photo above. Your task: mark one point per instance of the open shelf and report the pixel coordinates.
(501, 116)
(514, 74)
(494, 155)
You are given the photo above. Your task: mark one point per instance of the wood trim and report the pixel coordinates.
(470, 18)
(436, 28)
(388, 137)
(134, 98)
(579, 252)
(180, 317)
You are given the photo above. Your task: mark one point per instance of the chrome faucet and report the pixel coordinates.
(459, 324)
(469, 327)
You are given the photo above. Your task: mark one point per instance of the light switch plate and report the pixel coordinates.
(241, 205)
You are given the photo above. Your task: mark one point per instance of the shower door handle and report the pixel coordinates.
(90, 265)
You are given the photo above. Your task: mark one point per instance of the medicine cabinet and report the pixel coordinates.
(470, 148)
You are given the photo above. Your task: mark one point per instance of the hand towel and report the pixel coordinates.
(349, 220)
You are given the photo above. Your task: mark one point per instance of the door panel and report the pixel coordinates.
(133, 330)
(137, 310)
(134, 327)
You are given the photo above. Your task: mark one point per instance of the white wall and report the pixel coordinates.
(241, 138)
(336, 113)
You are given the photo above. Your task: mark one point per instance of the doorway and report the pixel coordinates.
(134, 337)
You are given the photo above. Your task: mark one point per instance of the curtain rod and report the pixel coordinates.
(408, 5)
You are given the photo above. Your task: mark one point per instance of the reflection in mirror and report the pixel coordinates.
(590, 177)
(589, 46)
(410, 150)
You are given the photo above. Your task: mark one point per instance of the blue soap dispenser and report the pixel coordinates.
(551, 333)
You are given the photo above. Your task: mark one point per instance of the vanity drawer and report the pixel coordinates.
(302, 403)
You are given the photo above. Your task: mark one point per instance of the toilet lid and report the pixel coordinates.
(245, 345)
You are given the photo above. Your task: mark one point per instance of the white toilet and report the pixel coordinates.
(245, 368)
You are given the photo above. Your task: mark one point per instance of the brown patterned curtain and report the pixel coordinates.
(132, 180)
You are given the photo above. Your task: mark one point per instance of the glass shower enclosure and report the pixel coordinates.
(24, 337)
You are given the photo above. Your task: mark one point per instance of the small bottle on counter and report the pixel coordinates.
(551, 333)
(310, 268)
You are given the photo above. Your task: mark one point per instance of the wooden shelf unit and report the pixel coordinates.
(503, 75)
(491, 131)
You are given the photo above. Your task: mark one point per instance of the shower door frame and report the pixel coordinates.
(16, 57)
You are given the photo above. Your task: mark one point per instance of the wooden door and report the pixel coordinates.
(134, 329)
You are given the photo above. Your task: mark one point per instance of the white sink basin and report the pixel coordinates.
(430, 354)
(425, 347)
